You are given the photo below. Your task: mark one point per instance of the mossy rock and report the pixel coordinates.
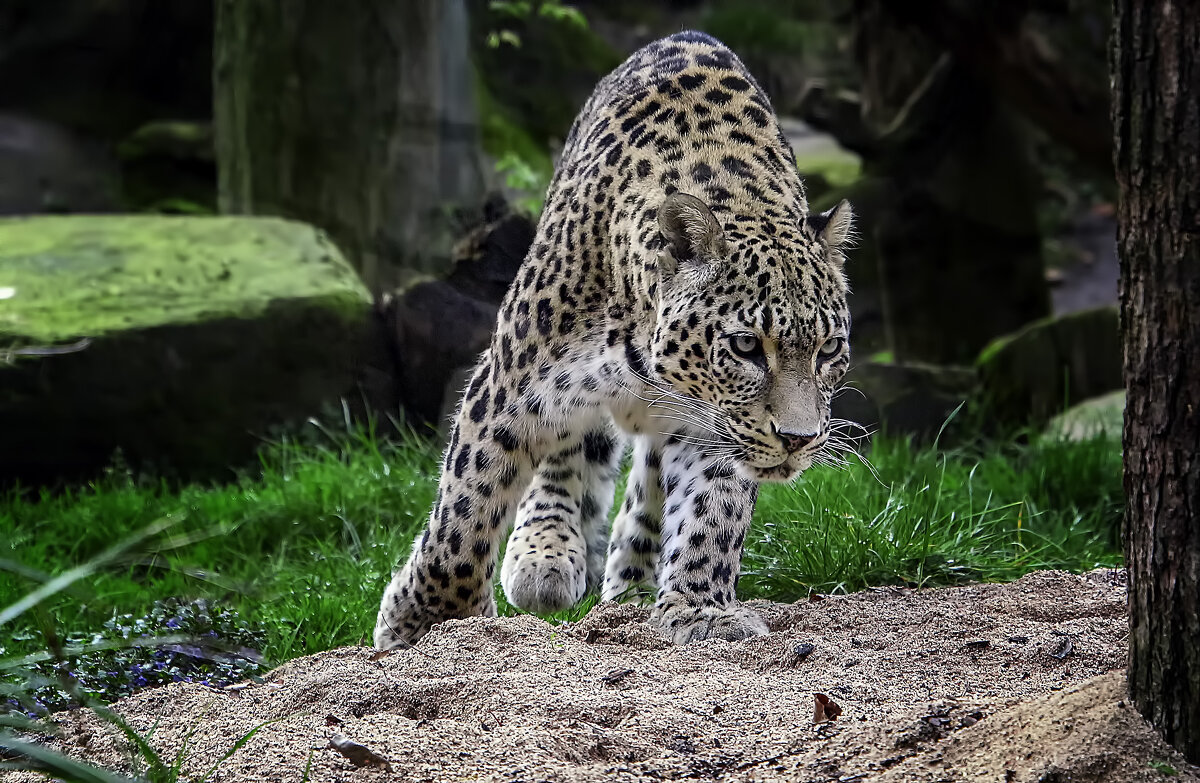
(1050, 365)
(203, 334)
(906, 400)
(169, 167)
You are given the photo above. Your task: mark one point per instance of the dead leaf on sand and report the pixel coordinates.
(825, 708)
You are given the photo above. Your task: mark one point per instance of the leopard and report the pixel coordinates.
(679, 299)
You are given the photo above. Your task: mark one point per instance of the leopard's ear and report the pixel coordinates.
(835, 228)
(693, 235)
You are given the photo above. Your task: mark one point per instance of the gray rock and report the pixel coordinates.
(1103, 415)
(487, 258)
(436, 330)
(47, 168)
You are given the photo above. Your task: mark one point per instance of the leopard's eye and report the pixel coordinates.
(746, 346)
(830, 347)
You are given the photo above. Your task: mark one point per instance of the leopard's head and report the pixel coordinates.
(752, 333)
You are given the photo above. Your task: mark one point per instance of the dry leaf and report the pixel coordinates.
(825, 708)
(379, 655)
(359, 755)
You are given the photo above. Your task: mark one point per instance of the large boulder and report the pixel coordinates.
(915, 400)
(1052, 364)
(194, 337)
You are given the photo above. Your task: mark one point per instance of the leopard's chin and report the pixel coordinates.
(784, 472)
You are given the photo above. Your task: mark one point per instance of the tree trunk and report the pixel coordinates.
(355, 116)
(1156, 113)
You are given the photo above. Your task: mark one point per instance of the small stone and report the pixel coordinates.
(802, 651)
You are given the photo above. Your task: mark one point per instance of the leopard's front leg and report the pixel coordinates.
(707, 515)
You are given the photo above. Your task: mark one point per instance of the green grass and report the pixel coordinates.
(301, 549)
(937, 518)
(304, 547)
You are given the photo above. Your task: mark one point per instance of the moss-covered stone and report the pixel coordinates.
(1050, 365)
(204, 333)
(915, 400)
(1103, 415)
(169, 167)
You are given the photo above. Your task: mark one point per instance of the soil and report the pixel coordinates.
(1016, 682)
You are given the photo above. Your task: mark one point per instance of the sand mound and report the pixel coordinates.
(1018, 682)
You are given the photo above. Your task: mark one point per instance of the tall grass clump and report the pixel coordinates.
(987, 512)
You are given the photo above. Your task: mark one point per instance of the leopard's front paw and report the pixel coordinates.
(543, 583)
(682, 620)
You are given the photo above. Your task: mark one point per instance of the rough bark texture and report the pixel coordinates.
(355, 116)
(1156, 113)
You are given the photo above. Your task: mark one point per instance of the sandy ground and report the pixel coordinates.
(1018, 682)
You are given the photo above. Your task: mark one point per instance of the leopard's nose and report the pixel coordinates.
(794, 441)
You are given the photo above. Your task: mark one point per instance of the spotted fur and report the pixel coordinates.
(679, 290)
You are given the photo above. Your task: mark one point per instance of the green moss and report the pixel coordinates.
(70, 277)
(191, 139)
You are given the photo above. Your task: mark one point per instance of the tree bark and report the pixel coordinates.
(355, 116)
(1156, 114)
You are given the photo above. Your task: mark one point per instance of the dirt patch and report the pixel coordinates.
(1017, 682)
